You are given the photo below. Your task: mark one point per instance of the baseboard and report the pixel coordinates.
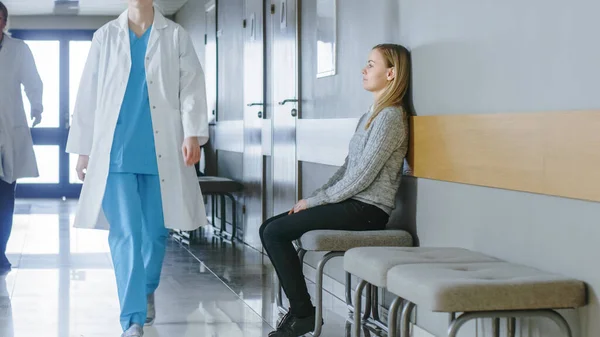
(330, 285)
(419, 332)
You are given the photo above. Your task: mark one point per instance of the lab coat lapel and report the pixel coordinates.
(157, 26)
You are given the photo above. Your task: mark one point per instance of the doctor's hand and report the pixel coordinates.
(82, 164)
(36, 116)
(300, 206)
(191, 151)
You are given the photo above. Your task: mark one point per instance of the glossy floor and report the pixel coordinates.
(62, 284)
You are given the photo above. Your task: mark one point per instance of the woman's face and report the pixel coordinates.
(376, 74)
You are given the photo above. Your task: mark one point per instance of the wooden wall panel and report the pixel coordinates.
(554, 153)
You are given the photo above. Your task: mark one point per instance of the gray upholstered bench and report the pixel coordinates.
(482, 290)
(371, 265)
(336, 243)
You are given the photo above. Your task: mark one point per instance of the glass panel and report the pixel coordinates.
(47, 61)
(47, 160)
(78, 52)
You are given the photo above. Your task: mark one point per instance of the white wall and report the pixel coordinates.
(490, 56)
(485, 56)
(191, 17)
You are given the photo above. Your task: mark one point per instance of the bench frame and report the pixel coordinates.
(372, 298)
(455, 323)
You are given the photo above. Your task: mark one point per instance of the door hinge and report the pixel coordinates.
(243, 209)
(244, 23)
(272, 8)
(205, 39)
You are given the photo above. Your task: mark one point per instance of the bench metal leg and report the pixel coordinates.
(223, 214)
(512, 327)
(319, 285)
(213, 207)
(348, 287)
(407, 310)
(233, 216)
(393, 317)
(374, 319)
(375, 303)
(357, 305)
(550, 314)
(496, 327)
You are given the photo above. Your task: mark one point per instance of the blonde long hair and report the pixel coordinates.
(395, 94)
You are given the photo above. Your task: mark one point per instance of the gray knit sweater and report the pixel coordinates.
(373, 167)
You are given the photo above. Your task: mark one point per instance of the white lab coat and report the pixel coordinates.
(17, 67)
(177, 96)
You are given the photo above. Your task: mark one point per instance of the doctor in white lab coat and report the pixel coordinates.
(17, 159)
(139, 120)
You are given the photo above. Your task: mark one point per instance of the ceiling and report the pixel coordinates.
(87, 7)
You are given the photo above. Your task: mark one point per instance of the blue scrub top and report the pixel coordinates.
(133, 149)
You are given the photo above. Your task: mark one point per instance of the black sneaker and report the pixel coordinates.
(292, 326)
(285, 319)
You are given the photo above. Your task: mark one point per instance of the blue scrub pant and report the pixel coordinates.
(137, 239)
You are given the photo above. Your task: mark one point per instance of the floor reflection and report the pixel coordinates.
(62, 284)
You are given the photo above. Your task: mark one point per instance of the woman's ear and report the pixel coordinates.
(391, 74)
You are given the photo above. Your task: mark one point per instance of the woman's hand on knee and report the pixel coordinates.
(300, 206)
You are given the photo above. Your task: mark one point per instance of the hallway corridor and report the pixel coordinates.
(62, 284)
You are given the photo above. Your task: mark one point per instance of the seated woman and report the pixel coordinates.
(360, 195)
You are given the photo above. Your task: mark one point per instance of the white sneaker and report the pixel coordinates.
(151, 310)
(135, 330)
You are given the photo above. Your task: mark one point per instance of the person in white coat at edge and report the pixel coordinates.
(17, 159)
(138, 123)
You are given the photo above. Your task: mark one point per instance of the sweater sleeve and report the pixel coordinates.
(341, 171)
(386, 136)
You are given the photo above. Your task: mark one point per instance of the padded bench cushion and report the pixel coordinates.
(373, 263)
(341, 241)
(462, 287)
(217, 185)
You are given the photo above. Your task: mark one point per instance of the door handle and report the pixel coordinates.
(289, 100)
(253, 104)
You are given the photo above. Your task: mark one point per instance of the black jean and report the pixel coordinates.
(278, 233)
(7, 207)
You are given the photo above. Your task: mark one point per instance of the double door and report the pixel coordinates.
(270, 111)
(262, 137)
(60, 57)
